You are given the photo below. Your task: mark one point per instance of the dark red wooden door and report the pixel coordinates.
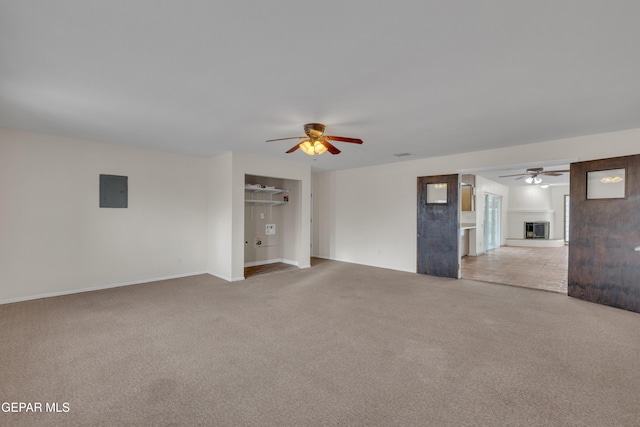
(438, 226)
(604, 233)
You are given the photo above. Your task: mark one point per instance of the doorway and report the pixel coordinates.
(438, 226)
(506, 204)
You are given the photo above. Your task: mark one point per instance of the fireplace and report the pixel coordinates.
(536, 230)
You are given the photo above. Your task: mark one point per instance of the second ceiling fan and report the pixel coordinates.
(532, 174)
(316, 142)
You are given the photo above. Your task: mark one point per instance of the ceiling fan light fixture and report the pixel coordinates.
(307, 147)
(312, 147)
(316, 142)
(319, 147)
(533, 174)
(314, 130)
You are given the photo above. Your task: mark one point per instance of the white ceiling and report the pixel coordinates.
(425, 77)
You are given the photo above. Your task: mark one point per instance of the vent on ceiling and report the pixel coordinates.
(403, 154)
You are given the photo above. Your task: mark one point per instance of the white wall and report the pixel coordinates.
(323, 226)
(533, 203)
(528, 204)
(368, 215)
(219, 215)
(530, 198)
(291, 221)
(54, 237)
(557, 204)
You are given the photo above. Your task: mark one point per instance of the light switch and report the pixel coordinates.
(270, 229)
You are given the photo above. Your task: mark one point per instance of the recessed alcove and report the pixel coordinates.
(271, 220)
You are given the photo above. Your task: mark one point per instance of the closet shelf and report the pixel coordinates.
(256, 189)
(265, 202)
(266, 194)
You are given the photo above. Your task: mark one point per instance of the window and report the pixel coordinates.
(437, 193)
(606, 184)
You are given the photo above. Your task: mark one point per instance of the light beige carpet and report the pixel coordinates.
(336, 344)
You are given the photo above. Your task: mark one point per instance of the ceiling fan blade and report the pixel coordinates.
(292, 149)
(282, 139)
(330, 147)
(558, 172)
(344, 139)
(518, 174)
(551, 174)
(519, 177)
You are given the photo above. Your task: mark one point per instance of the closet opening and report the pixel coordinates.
(271, 224)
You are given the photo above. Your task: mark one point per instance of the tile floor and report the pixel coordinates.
(538, 268)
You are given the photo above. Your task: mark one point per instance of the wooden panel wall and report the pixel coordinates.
(604, 266)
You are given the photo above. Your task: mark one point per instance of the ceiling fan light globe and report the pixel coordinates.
(537, 180)
(529, 180)
(307, 147)
(319, 147)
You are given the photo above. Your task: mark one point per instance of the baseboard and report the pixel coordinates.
(270, 261)
(97, 288)
(226, 278)
(478, 253)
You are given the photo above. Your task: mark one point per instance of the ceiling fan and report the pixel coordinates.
(532, 175)
(316, 142)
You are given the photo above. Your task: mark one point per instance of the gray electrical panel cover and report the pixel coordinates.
(113, 191)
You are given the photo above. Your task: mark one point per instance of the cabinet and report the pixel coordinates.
(467, 199)
(466, 193)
